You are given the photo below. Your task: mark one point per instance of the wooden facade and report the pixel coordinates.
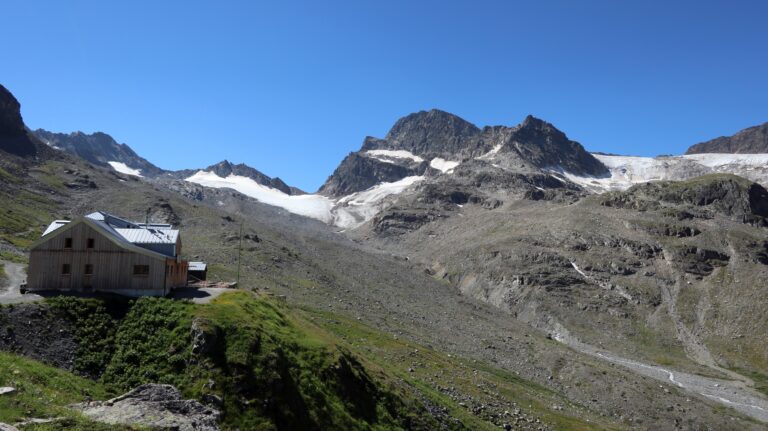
(83, 256)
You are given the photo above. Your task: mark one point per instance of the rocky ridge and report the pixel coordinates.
(98, 148)
(428, 143)
(751, 140)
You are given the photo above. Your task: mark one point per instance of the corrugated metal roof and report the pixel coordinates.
(149, 236)
(197, 266)
(54, 225)
(129, 232)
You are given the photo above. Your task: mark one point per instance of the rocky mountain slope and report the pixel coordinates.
(436, 142)
(15, 138)
(491, 292)
(100, 149)
(225, 169)
(748, 141)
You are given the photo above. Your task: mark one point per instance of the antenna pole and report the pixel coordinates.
(239, 254)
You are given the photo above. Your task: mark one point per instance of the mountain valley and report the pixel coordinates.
(446, 276)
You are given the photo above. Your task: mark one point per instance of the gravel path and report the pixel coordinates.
(15, 276)
(201, 295)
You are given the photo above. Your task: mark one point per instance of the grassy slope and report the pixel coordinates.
(277, 367)
(43, 391)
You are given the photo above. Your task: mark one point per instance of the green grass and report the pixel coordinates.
(43, 391)
(425, 369)
(22, 217)
(760, 379)
(13, 257)
(272, 369)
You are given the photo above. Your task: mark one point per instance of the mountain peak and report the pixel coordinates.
(433, 120)
(13, 133)
(534, 122)
(432, 133)
(98, 148)
(226, 168)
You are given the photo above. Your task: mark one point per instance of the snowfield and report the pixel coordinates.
(314, 206)
(442, 165)
(124, 169)
(626, 171)
(394, 156)
(347, 212)
(389, 155)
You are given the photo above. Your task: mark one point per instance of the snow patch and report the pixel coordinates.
(357, 208)
(347, 212)
(314, 206)
(442, 165)
(124, 169)
(388, 155)
(489, 155)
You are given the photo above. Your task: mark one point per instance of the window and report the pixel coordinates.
(66, 269)
(67, 242)
(88, 269)
(140, 269)
(90, 243)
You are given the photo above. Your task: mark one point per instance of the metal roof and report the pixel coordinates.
(197, 266)
(54, 225)
(127, 231)
(149, 236)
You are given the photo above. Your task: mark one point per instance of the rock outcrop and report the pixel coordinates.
(357, 172)
(728, 195)
(154, 406)
(14, 138)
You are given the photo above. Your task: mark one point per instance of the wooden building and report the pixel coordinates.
(198, 271)
(104, 253)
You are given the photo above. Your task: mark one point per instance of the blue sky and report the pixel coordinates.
(291, 87)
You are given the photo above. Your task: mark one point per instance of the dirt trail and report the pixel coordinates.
(727, 392)
(9, 292)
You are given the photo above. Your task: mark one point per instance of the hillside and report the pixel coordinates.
(481, 290)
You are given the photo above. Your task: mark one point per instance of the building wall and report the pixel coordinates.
(113, 266)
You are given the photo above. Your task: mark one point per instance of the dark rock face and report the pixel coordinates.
(38, 333)
(698, 261)
(13, 134)
(98, 148)
(544, 146)
(356, 173)
(430, 134)
(748, 141)
(728, 195)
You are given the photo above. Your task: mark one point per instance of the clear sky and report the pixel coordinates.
(291, 87)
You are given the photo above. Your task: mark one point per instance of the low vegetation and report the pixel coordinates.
(42, 391)
(272, 368)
